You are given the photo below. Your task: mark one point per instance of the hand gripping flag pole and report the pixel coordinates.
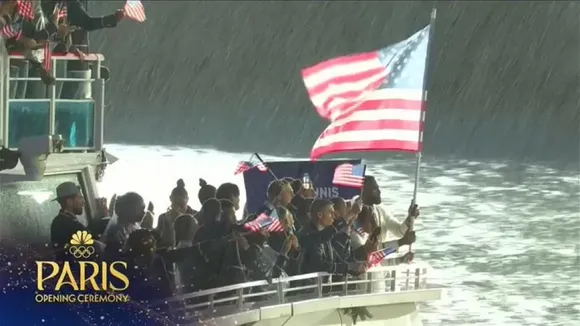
(423, 110)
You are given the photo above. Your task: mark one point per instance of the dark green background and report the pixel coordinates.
(226, 74)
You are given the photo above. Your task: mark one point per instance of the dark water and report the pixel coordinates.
(226, 74)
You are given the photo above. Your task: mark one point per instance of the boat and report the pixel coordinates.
(50, 140)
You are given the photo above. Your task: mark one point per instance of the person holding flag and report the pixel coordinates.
(317, 253)
(74, 13)
(279, 194)
(389, 226)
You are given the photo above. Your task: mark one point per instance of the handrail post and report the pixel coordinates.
(211, 301)
(240, 293)
(408, 279)
(4, 103)
(417, 278)
(320, 280)
(52, 96)
(280, 290)
(393, 274)
(99, 111)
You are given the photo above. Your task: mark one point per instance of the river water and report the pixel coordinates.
(502, 237)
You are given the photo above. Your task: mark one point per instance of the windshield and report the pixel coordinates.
(27, 208)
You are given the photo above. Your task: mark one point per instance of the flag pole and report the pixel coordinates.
(423, 110)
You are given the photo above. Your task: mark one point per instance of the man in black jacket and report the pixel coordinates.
(76, 15)
(317, 253)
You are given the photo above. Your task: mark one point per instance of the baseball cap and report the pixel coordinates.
(67, 189)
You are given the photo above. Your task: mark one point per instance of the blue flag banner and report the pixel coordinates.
(321, 173)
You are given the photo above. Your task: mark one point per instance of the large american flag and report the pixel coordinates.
(374, 100)
(349, 175)
(134, 10)
(269, 222)
(375, 258)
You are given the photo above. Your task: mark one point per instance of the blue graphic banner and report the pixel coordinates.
(320, 172)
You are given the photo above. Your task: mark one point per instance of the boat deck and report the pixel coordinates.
(279, 301)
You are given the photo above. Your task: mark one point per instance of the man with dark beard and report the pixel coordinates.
(371, 196)
(66, 223)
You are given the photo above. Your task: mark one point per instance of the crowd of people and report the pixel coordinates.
(189, 250)
(37, 28)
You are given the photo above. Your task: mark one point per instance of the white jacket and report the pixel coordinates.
(391, 228)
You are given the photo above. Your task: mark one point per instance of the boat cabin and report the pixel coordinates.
(48, 135)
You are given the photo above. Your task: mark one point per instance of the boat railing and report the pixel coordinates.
(236, 298)
(72, 107)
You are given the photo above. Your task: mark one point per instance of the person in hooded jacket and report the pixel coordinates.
(179, 206)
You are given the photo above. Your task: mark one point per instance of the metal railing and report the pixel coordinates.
(252, 295)
(98, 91)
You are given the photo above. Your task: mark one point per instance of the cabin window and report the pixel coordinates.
(26, 119)
(73, 118)
(27, 208)
(74, 122)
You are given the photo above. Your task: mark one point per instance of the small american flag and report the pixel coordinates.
(264, 221)
(375, 258)
(10, 31)
(24, 9)
(61, 14)
(358, 229)
(374, 101)
(244, 166)
(349, 175)
(134, 10)
(47, 61)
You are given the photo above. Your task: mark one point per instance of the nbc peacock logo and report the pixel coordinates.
(81, 245)
(90, 281)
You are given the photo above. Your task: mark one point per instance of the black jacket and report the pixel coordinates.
(77, 16)
(302, 208)
(317, 252)
(343, 248)
(62, 228)
(287, 263)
